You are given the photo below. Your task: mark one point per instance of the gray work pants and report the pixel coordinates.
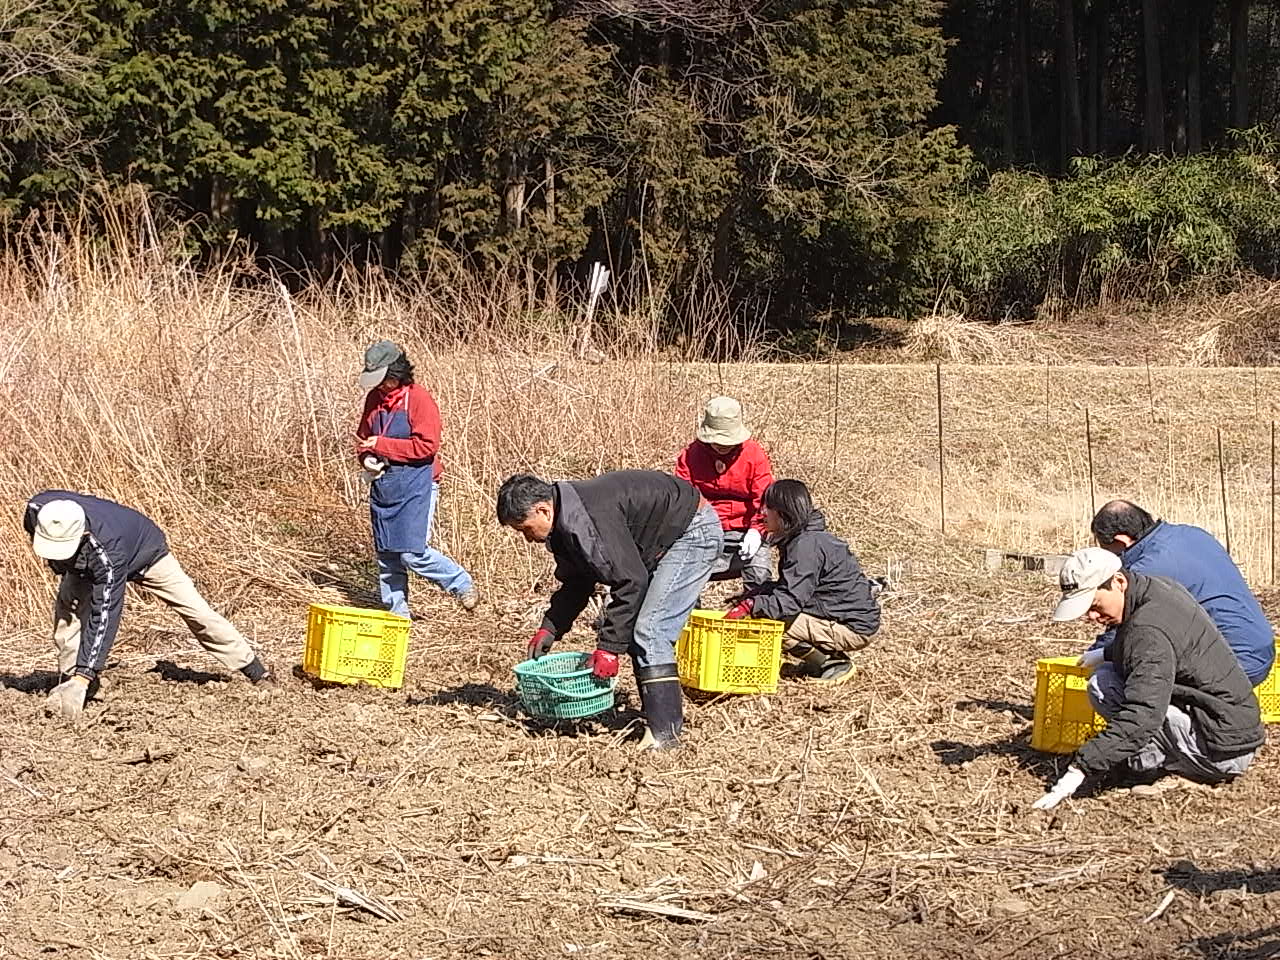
(1177, 747)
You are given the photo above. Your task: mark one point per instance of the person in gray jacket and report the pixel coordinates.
(1179, 701)
(821, 593)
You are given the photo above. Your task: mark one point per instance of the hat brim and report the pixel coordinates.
(47, 549)
(725, 438)
(371, 378)
(1074, 605)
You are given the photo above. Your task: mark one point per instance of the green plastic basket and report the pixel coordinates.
(558, 686)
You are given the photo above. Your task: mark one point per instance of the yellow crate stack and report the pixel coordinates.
(350, 645)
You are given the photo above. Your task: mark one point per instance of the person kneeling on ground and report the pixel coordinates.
(821, 593)
(1177, 701)
(732, 471)
(1194, 558)
(96, 546)
(398, 443)
(652, 540)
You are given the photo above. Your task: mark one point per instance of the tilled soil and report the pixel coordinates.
(193, 815)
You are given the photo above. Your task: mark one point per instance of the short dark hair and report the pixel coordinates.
(401, 369)
(1121, 517)
(791, 501)
(520, 494)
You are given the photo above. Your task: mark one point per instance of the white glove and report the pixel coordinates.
(750, 544)
(67, 698)
(373, 464)
(1064, 788)
(1091, 660)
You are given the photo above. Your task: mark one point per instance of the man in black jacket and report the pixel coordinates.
(96, 547)
(1180, 701)
(649, 537)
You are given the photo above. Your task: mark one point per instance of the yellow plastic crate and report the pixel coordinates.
(1064, 717)
(1268, 694)
(350, 645)
(729, 656)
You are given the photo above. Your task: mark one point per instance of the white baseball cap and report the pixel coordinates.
(59, 530)
(1082, 574)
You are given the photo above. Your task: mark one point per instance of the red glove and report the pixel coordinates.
(541, 643)
(741, 610)
(603, 664)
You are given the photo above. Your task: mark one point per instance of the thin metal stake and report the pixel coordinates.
(942, 494)
(1222, 486)
(1151, 394)
(1088, 446)
(835, 426)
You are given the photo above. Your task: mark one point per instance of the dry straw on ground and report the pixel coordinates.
(885, 818)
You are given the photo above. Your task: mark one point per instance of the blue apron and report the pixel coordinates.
(400, 499)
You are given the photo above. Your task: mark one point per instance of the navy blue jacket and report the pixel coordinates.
(1192, 557)
(119, 545)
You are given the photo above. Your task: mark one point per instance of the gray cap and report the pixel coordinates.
(1082, 574)
(376, 360)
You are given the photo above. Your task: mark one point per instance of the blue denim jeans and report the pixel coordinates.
(673, 590)
(430, 564)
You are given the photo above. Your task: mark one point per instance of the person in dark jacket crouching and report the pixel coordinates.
(1179, 701)
(821, 593)
(648, 536)
(96, 547)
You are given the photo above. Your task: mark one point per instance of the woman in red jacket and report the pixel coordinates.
(732, 472)
(398, 443)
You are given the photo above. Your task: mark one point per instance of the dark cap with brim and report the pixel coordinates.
(377, 359)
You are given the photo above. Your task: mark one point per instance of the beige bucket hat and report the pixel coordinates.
(722, 423)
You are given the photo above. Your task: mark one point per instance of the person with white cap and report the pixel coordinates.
(1178, 701)
(732, 471)
(398, 444)
(98, 546)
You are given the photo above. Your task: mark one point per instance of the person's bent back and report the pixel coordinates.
(1194, 558)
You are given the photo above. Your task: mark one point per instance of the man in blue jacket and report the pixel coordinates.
(96, 547)
(1192, 557)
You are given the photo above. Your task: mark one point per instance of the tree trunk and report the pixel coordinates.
(1022, 69)
(1008, 140)
(1195, 133)
(513, 196)
(1153, 126)
(1093, 77)
(1068, 84)
(1240, 64)
(549, 195)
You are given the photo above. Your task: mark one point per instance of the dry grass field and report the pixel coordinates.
(191, 815)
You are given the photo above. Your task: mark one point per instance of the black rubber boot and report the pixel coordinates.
(663, 704)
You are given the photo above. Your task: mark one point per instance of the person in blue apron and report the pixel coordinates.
(398, 444)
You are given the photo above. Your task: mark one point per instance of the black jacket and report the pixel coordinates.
(613, 529)
(819, 575)
(120, 545)
(1168, 651)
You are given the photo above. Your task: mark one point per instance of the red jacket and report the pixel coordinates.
(424, 427)
(735, 487)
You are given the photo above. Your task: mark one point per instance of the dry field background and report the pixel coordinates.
(887, 818)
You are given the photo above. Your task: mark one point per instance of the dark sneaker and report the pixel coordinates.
(835, 671)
